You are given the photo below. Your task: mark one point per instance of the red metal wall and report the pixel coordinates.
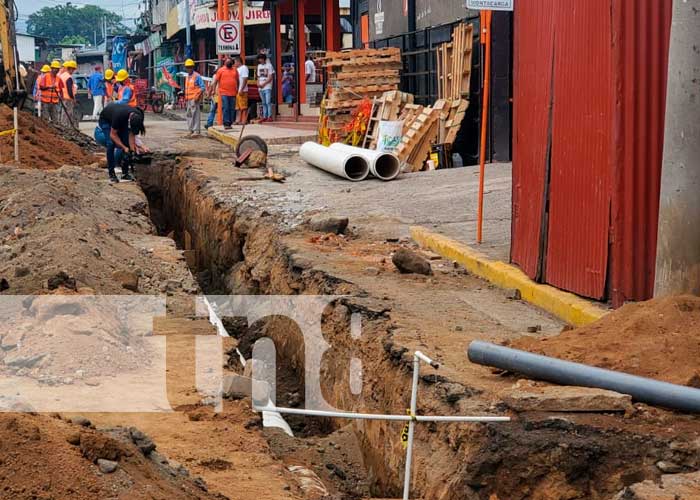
(642, 31)
(598, 192)
(533, 47)
(579, 193)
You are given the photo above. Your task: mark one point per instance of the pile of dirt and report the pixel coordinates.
(40, 145)
(658, 339)
(44, 457)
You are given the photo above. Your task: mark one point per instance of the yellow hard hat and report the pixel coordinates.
(70, 64)
(55, 64)
(45, 68)
(122, 75)
(189, 63)
(109, 74)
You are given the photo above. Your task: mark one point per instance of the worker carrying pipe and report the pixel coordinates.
(644, 390)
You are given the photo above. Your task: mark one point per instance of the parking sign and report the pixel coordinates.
(490, 4)
(228, 37)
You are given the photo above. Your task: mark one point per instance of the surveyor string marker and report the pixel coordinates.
(411, 418)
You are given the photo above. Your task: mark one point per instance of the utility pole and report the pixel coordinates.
(188, 34)
(678, 248)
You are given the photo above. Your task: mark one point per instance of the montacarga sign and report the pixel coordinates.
(490, 4)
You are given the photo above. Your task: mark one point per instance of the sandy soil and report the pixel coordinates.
(41, 145)
(658, 339)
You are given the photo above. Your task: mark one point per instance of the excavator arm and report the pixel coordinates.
(12, 85)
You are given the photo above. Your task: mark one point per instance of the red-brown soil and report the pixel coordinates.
(658, 339)
(39, 462)
(40, 145)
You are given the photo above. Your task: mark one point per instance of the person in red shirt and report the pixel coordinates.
(226, 81)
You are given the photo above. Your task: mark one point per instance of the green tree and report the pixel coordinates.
(74, 40)
(61, 21)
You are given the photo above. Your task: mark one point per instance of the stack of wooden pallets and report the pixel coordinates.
(357, 74)
(388, 107)
(454, 64)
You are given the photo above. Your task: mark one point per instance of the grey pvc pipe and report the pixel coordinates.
(645, 390)
(350, 166)
(382, 165)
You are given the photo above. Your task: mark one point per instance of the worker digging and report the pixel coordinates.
(415, 253)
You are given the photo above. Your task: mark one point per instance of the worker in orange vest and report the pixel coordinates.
(48, 86)
(36, 91)
(194, 93)
(126, 93)
(109, 86)
(67, 92)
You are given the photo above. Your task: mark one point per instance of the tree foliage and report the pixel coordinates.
(61, 21)
(74, 40)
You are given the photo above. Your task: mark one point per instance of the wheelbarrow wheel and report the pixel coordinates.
(251, 143)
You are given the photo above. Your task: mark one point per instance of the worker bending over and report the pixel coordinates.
(194, 93)
(67, 92)
(127, 92)
(120, 124)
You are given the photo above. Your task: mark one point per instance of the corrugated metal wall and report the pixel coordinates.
(579, 193)
(586, 171)
(642, 29)
(533, 48)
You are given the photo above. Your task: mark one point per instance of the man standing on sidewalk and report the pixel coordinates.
(226, 81)
(242, 98)
(194, 92)
(96, 90)
(265, 79)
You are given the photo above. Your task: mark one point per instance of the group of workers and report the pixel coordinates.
(120, 121)
(56, 91)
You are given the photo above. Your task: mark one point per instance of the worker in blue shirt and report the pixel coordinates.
(96, 91)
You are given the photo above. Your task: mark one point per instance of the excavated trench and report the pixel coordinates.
(235, 250)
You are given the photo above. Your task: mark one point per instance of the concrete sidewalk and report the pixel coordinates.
(276, 133)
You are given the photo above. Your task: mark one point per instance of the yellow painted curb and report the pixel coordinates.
(222, 137)
(567, 306)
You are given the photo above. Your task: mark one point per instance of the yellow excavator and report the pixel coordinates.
(13, 90)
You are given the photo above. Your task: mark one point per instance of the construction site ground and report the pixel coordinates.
(195, 224)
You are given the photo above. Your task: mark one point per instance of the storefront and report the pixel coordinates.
(303, 29)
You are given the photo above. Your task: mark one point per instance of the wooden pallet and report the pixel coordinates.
(387, 108)
(454, 64)
(350, 55)
(418, 140)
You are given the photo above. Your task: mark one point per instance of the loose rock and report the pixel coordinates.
(107, 466)
(335, 225)
(129, 280)
(407, 261)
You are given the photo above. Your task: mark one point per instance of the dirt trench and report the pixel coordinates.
(234, 249)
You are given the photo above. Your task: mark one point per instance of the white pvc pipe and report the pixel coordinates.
(411, 427)
(349, 166)
(377, 416)
(384, 166)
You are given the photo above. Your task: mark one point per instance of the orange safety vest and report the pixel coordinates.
(133, 101)
(63, 86)
(50, 95)
(192, 91)
(109, 90)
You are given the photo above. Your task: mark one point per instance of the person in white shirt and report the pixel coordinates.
(265, 75)
(310, 70)
(242, 97)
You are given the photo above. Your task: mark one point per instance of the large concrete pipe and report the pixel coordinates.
(384, 166)
(645, 390)
(350, 166)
